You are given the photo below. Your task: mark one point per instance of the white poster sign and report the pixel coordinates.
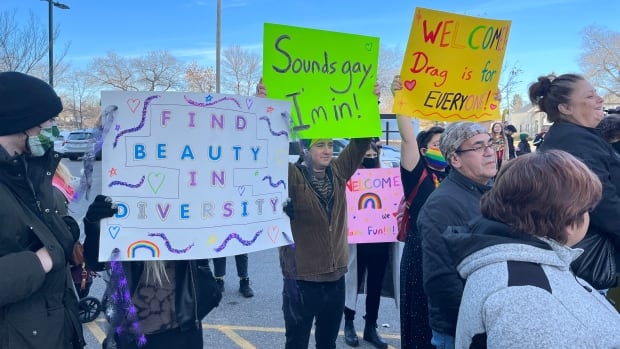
(194, 175)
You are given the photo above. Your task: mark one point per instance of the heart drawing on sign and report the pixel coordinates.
(273, 232)
(241, 190)
(133, 104)
(369, 46)
(156, 180)
(249, 102)
(410, 84)
(114, 230)
(493, 106)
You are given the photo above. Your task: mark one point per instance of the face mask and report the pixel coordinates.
(43, 142)
(370, 162)
(435, 159)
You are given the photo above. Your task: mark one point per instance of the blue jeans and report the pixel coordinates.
(442, 340)
(305, 302)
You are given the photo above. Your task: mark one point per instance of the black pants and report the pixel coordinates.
(174, 338)
(372, 260)
(307, 301)
(241, 260)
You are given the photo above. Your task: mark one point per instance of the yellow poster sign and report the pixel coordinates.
(452, 66)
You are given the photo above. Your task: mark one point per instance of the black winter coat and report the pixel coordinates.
(37, 310)
(588, 145)
(455, 202)
(196, 292)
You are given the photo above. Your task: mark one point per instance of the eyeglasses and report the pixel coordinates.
(480, 149)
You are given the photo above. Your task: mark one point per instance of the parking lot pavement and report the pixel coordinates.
(257, 322)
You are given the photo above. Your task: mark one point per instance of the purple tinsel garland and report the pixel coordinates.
(124, 309)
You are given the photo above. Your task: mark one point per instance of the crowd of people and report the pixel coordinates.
(509, 248)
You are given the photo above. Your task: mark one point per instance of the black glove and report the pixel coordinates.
(102, 207)
(288, 208)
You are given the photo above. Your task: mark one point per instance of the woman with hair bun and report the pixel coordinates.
(575, 109)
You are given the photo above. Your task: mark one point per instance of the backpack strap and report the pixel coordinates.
(414, 192)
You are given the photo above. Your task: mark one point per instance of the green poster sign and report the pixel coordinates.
(328, 77)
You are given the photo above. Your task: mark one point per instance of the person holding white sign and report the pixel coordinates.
(150, 304)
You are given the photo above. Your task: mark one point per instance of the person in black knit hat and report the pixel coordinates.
(36, 241)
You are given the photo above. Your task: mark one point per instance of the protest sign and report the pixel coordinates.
(194, 175)
(328, 77)
(452, 67)
(373, 196)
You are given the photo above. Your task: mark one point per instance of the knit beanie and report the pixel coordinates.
(524, 136)
(25, 102)
(308, 143)
(456, 134)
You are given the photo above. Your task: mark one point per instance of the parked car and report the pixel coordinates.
(390, 156)
(59, 142)
(78, 143)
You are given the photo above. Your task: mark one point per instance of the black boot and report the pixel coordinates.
(220, 283)
(350, 336)
(245, 289)
(371, 335)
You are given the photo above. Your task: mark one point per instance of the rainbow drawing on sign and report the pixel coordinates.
(369, 200)
(134, 246)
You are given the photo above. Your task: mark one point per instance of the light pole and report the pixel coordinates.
(51, 35)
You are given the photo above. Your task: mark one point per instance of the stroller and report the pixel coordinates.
(89, 307)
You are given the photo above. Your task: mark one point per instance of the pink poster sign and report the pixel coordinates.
(373, 196)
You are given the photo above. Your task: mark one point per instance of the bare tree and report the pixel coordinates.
(155, 71)
(508, 84)
(81, 100)
(23, 47)
(516, 103)
(199, 79)
(158, 71)
(242, 70)
(114, 71)
(600, 59)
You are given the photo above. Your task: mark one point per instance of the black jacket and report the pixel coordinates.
(196, 291)
(453, 203)
(37, 310)
(588, 145)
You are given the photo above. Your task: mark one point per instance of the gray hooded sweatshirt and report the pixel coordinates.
(521, 293)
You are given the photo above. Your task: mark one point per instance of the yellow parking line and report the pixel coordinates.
(244, 328)
(96, 331)
(242, 343)
(228, 330)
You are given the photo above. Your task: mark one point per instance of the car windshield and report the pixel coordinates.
(80, 136)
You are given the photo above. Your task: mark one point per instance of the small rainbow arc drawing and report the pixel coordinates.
(136, 245)
(369, 200)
